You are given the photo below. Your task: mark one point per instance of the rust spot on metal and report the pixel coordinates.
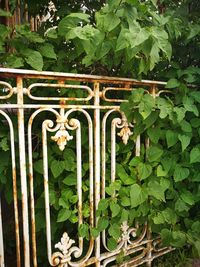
(143, 245)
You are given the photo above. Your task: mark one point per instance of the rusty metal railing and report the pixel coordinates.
(19, 94)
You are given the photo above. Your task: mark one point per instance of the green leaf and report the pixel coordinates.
(94, 232)
(165, 107)
(138, 35)
(197, 247)
(195, 155)
(4, 144)
(112, 243)
(70, 179)
(74, 199)
(159, 219)
(186, 127)
(35, 60)
(166, 236)
(180, 113)
(188, 197)
(172, 138)
(165, 183)
(124, 216)
(185, 141)
(154, 56)
(31, 36)
(156, 190)
(38, 166)
(71, 21)
(70, 164)
(179, 239)
(125, 201)
(103, 204)
(135, 161)
(137, 95)
(47, 50)
(154, 153)
(144, 170)
(172, 83)
(166, 47)
(190, 106)
(57, 167)
(4, 13)
(194, 30)
(114, 231)
(104, 49)
(154, 134)
(66, 194)
(195, 122)
(146, 105)
(180, 173)
(107, 22)
(102, 224)
(196, 96)
(63, 215)
(170, 216)
(51, 33)
(73, 218)
(122, 174)
(181, 206)
(83, 230)
(14, 62)
(69, 154)
(115, 208)
(160, 171)
(122, 41)
(79, 16)
(4, 31)
(138, 195)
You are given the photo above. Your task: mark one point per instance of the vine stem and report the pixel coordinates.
(118, 7)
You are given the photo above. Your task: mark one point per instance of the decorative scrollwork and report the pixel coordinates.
(62, 137)
(125, 133)
(63, 258)
(65, 245)
(127, 232)
(124, 125)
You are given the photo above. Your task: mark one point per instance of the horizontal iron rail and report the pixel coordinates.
(7, 72)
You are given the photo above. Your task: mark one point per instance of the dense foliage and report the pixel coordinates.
(155, 39)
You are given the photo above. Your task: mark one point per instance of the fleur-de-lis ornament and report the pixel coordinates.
(125, 133)
(61, 138)
(64, 245)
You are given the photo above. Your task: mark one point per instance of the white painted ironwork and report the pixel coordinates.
(64, 125)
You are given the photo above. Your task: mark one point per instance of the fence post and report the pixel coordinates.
(22, 158)
(97, 163)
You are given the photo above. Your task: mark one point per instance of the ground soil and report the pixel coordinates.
(196, 263)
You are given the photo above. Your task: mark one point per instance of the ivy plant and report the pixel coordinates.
(131, 38)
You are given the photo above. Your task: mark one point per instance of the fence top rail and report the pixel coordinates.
(8, 72)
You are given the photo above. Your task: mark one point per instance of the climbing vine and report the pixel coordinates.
(132, 38)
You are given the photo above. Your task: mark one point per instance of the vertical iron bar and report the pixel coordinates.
(14, 179)
(79, 181)
(31, 186)
(149, 235)
(97, 163)
(46, 188)
(2, 263)
(22, 158)
(18, 254)
(113, 151)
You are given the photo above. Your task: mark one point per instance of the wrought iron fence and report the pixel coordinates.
(26, 94)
